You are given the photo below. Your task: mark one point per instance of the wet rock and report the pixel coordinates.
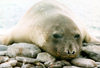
(45, 57)
(83, 62)
(3, 59)
(71, 67)
(23, 49)
(3, 53)
(27, 60)
(3, 48)
(92, 51)
(8, 64)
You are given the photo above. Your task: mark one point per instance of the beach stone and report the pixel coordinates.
(92, 51)
(3, 48)
(8, 64)
(27, 66)
(27, 60)
(45, 57)
(3, 59)
(84, 62)
(40, 65)
(23, 49)
(5, 65)
(3, 53)
(98, 64)
(71, 67)
(17, 67)
(58, 64)
(19, 64)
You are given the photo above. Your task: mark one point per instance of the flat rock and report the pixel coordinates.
(3, 47)
(71, 67)
(3, 53)
(92, 51)
(45, 57)
(27, 60)
(27, 66)
(58, 64)
(84, 62)
(23, 49)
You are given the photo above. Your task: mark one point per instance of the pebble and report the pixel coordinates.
(8, 64)
(57, 64)
(84, 62)
(27, 60)
(3, 53)
(45, 57)
(23, 49)
(71, 67)
(27, 66)
(3, 59)
(17, 67)
(3, 48)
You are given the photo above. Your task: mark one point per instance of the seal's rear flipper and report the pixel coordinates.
(90, 39)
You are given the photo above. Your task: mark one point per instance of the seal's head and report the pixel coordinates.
(62, 37)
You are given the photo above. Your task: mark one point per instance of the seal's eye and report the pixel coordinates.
(57, 36)
(77, 36)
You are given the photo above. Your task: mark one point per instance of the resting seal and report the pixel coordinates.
(52, 27)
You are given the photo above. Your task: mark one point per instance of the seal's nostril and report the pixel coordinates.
(68, 52)
(73, 52)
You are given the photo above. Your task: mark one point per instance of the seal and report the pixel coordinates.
(52, 27)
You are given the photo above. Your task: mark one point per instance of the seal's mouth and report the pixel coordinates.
(64, 55)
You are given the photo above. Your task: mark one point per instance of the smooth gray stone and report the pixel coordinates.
(23, 49)
(45, 57)
(3, 48)
(27, 60)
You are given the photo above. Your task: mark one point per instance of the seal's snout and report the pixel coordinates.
(70, 52)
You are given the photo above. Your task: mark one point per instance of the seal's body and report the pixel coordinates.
(52, 27)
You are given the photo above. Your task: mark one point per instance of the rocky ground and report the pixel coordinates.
(24, 55)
